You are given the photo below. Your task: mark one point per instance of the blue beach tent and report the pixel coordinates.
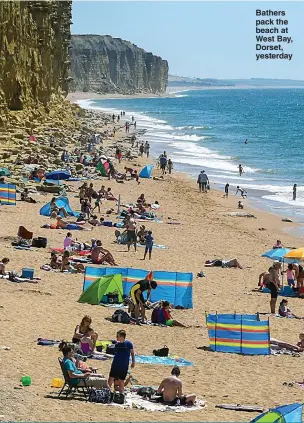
(60, 202)
(57, 175)
(175, 287)
(146, 172)
(291, 413)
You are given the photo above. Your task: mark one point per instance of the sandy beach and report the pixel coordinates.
(50, 309)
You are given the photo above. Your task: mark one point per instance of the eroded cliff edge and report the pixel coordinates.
(34, 58)
(111, 65)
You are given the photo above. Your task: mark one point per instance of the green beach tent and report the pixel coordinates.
(102, 286)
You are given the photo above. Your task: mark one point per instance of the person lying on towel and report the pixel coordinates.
(223, 263)
(61, 224)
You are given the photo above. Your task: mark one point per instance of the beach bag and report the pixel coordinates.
(110, 349)
(118, 398)
(154, 315)
(162, 352)
(102, 396)
(146, 391)
(39, 242)
(12, 276)
(121, 316)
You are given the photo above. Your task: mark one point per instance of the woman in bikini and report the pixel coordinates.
(81, 329)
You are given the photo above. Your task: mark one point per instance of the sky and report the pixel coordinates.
(198, 39)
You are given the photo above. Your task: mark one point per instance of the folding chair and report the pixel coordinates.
(85, 390)
(24, 236)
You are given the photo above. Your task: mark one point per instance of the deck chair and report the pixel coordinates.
(84, 390)
(23, 234)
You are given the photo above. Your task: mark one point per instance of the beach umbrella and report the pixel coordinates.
(277, 254)
(58, 175)
(297, 254)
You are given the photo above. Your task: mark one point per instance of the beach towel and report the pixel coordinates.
(48, 342)
(165, 361)
(134, 401)
(159, 246)
(80, 253)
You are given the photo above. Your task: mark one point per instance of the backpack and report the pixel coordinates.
(12, 276)
(162, 352)
(121, 316)
(154, 315)
(118, 398)
(102, 396)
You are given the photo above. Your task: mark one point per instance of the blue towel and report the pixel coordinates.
(162, 247)
(166, 361)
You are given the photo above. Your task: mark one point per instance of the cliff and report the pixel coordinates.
(110, 65)
(34, 56)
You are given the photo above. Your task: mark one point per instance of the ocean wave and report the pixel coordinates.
(189, 127)
(286, 199)
(181, 95)
(175, 136)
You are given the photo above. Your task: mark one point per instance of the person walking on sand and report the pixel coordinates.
(202, 181)
(149, 245)
(131, 233)
(241, 170)
(294, 192)
(170, 166)
(226, 191)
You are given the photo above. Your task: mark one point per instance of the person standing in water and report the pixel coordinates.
(294, 192)
(241, 170)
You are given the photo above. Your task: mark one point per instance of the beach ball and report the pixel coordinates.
(26, 380)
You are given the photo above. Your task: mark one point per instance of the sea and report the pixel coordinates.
(207, 129)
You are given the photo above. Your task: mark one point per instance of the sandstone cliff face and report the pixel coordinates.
(111, 65)
(34, 54)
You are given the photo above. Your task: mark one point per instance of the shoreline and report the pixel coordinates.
(255, 202)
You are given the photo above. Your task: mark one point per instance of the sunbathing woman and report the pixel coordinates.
(67, 266)
(3, 262)
(54, 263)
(109, 195)
(55, 209)
(81, 329)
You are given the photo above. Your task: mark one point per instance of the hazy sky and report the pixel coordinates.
(199, 39)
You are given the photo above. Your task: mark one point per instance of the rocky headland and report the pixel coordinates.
(103, 64)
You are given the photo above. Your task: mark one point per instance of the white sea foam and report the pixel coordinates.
(181, 95)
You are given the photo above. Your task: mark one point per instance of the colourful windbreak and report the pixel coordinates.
(175, 287)
(8, 194)
(240, 334)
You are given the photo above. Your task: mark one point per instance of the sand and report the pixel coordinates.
(50, 308)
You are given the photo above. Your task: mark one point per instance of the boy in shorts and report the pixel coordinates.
(120, 365)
